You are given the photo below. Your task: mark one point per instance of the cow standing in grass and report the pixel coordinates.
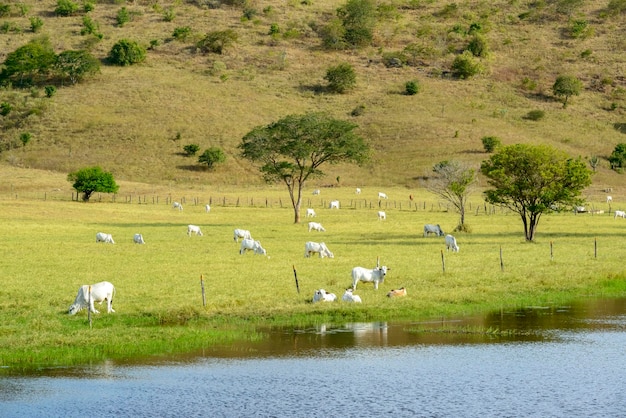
(99, 293)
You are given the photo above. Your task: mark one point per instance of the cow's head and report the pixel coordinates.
(75, 308)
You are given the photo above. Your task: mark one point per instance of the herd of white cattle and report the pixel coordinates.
(104, 290)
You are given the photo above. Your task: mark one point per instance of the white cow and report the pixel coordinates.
(609, 199)
(375, 275)
(382, 215)
(241, 233)
(348, 296)
(316, 191)
(451, 243)
(106, 238)
(382, 195)
(620, 214)
(433, 229)
(310, 213)
(99, 292)
(311, 248)
(358, 190)
(207, 208)
(193, 229)
(334, 204)
(138, 239)
(248, 244)
(321, 295)
(316, 226)
(177, 205)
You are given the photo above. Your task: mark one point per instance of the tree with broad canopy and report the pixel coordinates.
(293, 148)
(92, 179)
(532, 180)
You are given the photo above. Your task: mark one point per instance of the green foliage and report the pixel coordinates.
(212, 156)
(50, 91)
(341, 78)
(594, 161)
(169, 14)
(293, 149)
(123, 16)
(466, 65)
(617, 159)
(395, 59)
(76, 65)
(333, 34)
(453, 183)
(217, 41)
(358, 111)
(88, 6)
(5, 10)
(249, 13)
(529, 84)
(25, 138)
(411, 87)
(490, 143)
(182, 33)
(90, 27)
(579, 28)
(191, 149)
(28, 64)
(535, 115)
(568, 7)
(66, 8)
(91, 180)
(5, 108)
(529, 180)
(566, 86)
(358, 18)
(478, 46)
(126, 52)
(274, 29)
(35, 24)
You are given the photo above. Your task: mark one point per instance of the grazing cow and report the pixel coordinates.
(393, 293)
(138, 239)
(580, 209)
(382, 215)
(433, 229)
(193, 229)
(375, 275)
(316, 227)
(311, 248)
(241, 233)
(316, 191)
(348, 296)
(620, 214)
(248, 244)
(358, 190)
(382, 195)
(177, 205)
(106, 238)
(451, 243)
(334, 204)
(321, 295)
(207, 208)
(609, 199)
(99, 292)
(310, 213)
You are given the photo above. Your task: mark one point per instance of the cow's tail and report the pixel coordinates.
(113, 296)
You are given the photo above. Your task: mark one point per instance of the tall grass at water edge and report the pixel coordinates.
(49, 250)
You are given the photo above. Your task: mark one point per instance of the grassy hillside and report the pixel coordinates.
(135, 120)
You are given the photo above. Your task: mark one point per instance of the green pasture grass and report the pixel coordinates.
(49, 250)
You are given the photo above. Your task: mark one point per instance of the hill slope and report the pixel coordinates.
(135, 120)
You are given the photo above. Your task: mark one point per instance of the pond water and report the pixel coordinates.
(565, 361)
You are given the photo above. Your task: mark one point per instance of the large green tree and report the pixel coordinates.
(28, 64)
(293, 149)
(91, 180)
(566, 86)
(453, 182)
(532, 179)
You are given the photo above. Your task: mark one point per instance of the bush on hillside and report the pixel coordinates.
(466, 65)
(126, 52)
(191, 149)
(212, 156)
(617, 159)
(341, 78)
(490, 143)
(217, 41)
(478, 46)
(66, 8)
(411, 87)
(535, 115)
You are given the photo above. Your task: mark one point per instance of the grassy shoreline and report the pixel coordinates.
(49, 250)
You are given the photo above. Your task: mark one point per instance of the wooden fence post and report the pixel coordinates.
(295, 275)
(202, 286)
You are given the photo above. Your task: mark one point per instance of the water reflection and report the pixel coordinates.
(560, 361)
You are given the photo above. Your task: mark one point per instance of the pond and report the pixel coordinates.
(556, 361)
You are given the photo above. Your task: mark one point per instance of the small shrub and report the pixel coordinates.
(212, 156)
(25, 138)
(535, 115)
(274, 29)
(123, 17)
(586, 53)
(394, 59)
(88, 6)
(90, 27)
(169, 14)
(5, 108)
(490, 143)
(249, 13)
(411, 88)
(466, 66)
(182, 33)
(341, 78)
(217, 41)
(126, 52)
(478, 46)
(529, 84)
(35, 24)
(50, 91)
(191, 149)
(66, 8)
(358, 111)
(5, 10)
